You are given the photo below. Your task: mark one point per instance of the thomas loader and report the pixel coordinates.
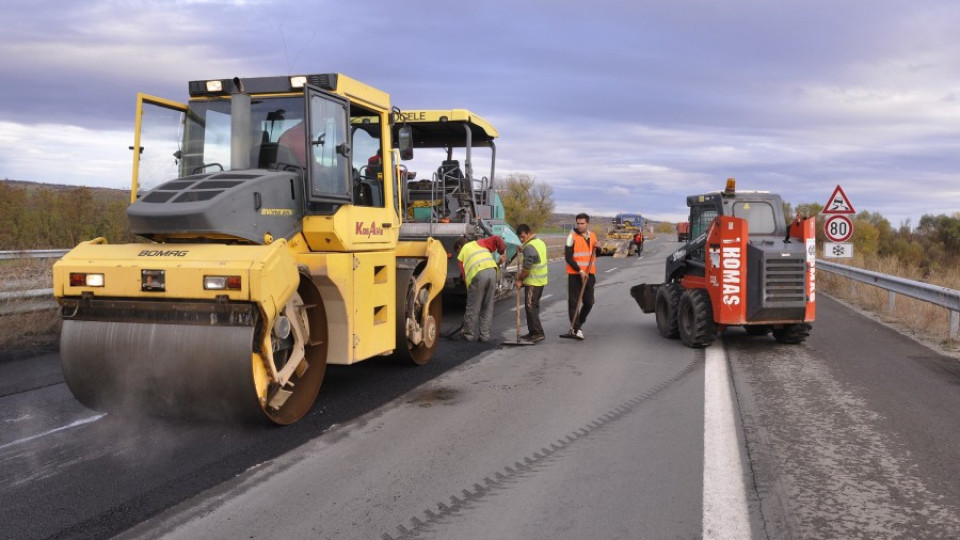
(269, 253)
(743, 267)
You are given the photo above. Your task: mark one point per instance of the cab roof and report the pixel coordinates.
(434, 128)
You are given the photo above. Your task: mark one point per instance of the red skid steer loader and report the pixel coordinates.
(743, 266)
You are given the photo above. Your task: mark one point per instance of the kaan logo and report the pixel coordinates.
(731, 263)
(372, 230)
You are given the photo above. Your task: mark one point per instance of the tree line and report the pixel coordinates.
(38, 217)
(933, 245)
(48, 218)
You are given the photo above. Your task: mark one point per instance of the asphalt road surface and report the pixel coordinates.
(854, 434)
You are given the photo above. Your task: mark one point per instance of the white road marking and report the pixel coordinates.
(611, 270)
(725, 514)
(61, 428)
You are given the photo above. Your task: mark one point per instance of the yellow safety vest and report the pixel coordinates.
(475, 258)
(537, 275)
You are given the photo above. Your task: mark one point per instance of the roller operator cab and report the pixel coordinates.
(744, 266)
(272, 249)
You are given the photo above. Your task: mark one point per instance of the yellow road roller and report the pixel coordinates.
(270, 210)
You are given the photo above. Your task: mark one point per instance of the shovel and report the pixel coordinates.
(518, 341)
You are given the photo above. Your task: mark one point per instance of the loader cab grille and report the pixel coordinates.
(785, 279)
(779, 290)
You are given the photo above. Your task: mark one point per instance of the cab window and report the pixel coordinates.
(329, 150)
(759, 215)
(700, 219)
(367, 161)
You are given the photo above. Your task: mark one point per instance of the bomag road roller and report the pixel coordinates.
(269, 254)
(744, 266)
(454, 201)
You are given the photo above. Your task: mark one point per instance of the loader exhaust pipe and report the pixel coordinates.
(240, 139)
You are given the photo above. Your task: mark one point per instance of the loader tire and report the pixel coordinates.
(695, 319)
(668, 301)
(792, 334)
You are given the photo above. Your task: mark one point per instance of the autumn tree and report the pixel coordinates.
(526, 201)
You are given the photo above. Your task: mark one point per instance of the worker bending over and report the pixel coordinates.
(478, 268)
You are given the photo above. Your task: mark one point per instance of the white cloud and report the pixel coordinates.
(62, 154)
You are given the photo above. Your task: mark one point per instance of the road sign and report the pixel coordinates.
(838, 203)
(838, 228)
(842, 250)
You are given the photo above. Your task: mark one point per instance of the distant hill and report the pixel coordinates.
(99, 193)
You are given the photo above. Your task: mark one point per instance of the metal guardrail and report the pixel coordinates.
(934, 294)
(33, 254)
(28, 300)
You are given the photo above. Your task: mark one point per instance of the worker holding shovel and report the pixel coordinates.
(579, 253)
(533, 278)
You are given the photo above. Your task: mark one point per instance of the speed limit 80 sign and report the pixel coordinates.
(838, 228)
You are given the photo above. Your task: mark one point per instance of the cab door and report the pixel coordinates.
(157, 137)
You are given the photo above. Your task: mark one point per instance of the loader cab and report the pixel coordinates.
(762, 210)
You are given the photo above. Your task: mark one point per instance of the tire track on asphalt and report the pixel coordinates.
(528, 465)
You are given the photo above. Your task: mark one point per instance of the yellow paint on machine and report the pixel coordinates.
(358, 291)
(268, 273)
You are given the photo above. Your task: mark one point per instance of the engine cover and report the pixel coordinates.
(247, 205)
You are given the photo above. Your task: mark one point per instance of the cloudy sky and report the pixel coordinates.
(619, 105)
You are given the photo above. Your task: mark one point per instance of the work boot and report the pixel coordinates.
(534, 338)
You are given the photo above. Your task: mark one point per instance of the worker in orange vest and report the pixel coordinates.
(581, 273)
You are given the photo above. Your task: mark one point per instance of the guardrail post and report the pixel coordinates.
(954, 323)
(891, 301)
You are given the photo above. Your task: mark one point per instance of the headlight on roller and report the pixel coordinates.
(220, 283)
(79, 279)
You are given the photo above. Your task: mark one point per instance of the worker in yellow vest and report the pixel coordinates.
(478, 268)
(581, 273)
(533, 277)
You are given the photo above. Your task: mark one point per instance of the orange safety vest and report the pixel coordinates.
(582, 251)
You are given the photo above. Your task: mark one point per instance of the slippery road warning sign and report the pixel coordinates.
(838, 203)
(838, 228)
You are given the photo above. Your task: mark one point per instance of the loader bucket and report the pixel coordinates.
(646, 296)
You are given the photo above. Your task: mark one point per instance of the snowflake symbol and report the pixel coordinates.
(838, 250)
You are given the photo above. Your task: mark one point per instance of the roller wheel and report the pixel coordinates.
(668, 301)
(792, 334)
(696, 324)
(408, 307)
(305, 385)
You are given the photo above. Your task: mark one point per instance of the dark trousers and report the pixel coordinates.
(573, 292)
(531, 304)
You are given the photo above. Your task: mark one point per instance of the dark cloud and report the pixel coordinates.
(615, 103)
